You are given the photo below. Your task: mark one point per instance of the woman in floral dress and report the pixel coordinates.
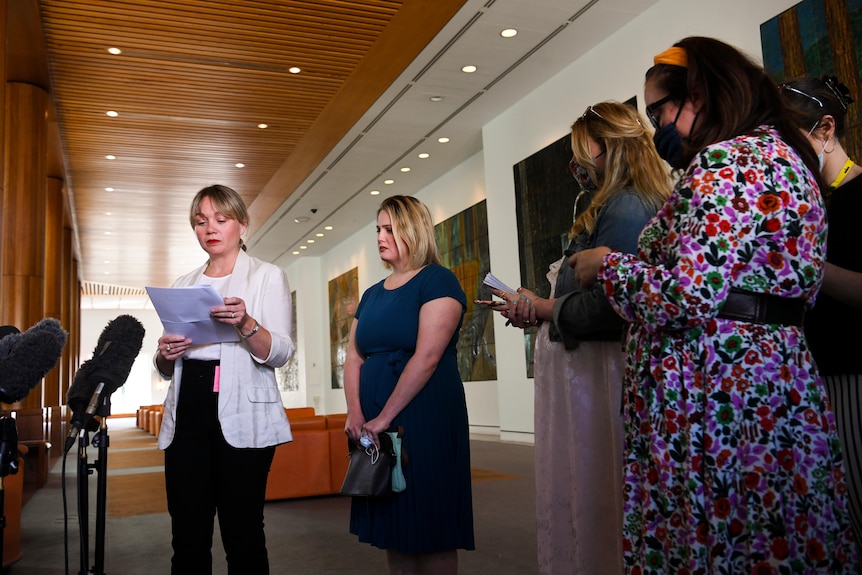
(732, 462)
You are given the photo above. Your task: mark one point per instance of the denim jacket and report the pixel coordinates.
(585, 314)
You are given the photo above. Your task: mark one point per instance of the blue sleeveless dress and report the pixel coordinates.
(435, 512)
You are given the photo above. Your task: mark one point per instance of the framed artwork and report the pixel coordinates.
(817, 38)
(343, 299)
(464, 248)
(545, 194)
(287, 376)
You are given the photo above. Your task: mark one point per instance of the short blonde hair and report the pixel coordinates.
(631, 159)
(412, 228)
(225, 200)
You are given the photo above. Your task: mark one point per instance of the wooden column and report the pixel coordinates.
(53, 297)
(4, 54)
(68, 363)
(22, 228)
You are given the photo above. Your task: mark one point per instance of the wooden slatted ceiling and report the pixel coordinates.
(194, 80)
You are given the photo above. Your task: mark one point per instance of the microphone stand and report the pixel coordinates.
(101, 441)
(8, 465)
(83, 502)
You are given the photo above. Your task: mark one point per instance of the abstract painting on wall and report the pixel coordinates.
(818, 38)
(343, 299)
(464, 248)
(544, 203)
(545, 195)
(287, 375)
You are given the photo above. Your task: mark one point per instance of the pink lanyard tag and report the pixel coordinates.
(216, 378)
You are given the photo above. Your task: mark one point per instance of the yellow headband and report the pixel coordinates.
(675, 56)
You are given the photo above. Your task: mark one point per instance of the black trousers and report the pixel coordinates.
(204, 476)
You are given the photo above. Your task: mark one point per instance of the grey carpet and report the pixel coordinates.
(304, 536)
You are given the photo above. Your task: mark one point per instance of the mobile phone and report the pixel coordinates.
(488, 302)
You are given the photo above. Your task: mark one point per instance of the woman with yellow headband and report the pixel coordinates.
(832, 327)
(732, 460)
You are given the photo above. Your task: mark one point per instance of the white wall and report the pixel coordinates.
(613, 70)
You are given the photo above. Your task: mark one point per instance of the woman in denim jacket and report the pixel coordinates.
(579, 359)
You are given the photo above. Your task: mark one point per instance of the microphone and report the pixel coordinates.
(26, 357)
(100, 376)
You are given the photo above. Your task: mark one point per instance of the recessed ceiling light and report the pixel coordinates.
(318, 234)
(108, 214)
(262, 126)
(309, 241)
(443, 140)
(374, 192)
(110, 157)
(112, 113)
(294, 70)
(509, 33)
(303, 247)
(300, 219)
(295, 253)
(328, 228)
(107, 261)
(239, 165)
(388, 182)
(405, 169)
(424, 155)
(109, 189)
(436, 98)
(115, 51)
(468, 69)
(107, 233)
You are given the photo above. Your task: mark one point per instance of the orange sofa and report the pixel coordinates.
(315, 462)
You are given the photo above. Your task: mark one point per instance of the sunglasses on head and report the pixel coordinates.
(801, 93)
(591, 110)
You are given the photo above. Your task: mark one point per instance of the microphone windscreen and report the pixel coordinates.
(82, 388)
(115, 353)
(8, 330)
(26, 357)
(118, 346)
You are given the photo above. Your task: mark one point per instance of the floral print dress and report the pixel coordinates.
(732, 463)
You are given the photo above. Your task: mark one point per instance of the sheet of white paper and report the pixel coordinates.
(491, 281)
(185, 311)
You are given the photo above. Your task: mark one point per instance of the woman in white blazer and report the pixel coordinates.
(223, 411)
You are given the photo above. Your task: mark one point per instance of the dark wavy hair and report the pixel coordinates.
(736, 97)
(815, 98)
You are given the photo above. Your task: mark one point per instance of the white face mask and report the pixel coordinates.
(820, 158)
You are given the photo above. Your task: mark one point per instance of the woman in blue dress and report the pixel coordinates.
(401, 373)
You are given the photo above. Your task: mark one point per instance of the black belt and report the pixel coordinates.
(762, 308)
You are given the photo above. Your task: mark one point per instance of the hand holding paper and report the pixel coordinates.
(185, 311)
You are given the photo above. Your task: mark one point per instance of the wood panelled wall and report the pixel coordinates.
(38, 269)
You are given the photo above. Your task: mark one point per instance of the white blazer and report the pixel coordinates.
(249, 404)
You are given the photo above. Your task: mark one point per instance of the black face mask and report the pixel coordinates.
(668, 143)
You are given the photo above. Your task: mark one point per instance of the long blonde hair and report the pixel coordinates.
(413, 228)
(631, 159)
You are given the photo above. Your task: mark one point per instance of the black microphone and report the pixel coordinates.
(26, 357)
(108, 369)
